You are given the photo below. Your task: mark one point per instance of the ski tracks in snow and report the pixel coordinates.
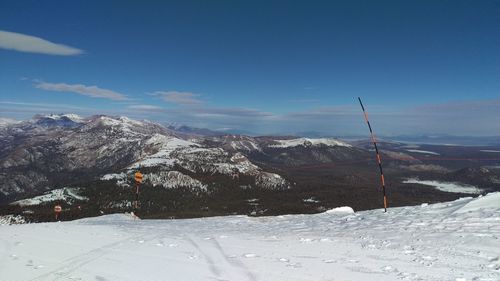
(223, 267)
(77, 262)
(431, 242)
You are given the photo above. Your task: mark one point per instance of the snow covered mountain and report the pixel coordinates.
(309, 142)
(62, 120)
(37, 153)
(68, 195)
(40, 153)
(51, 150)
(7, 121)
(453, 241)
(235, 143)
(190, 175)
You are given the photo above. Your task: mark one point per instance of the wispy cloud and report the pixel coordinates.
(24, 110)
(205, 113)
(181, 98)
(231, 112)
(31, 44)
(147, 108)
(322, 112)
(90, 91)
(475, 117)
(304, 100)
(36, 107)
(460, 106)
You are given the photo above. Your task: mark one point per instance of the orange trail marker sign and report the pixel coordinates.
(57, 210)
(138, 177)
(138, 180)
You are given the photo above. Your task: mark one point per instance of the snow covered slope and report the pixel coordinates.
(7, 121)
(58, 120)
(67, 194)
(448, 241)
(309, 142)
(447, 186)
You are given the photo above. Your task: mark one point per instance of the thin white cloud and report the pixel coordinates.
(146, 108)
(181, 98)
(231, 112)
(476, 117)
(25, 110)
(31, 44)
(90, 91)
(304, 100)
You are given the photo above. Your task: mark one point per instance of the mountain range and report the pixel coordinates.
(194, 172)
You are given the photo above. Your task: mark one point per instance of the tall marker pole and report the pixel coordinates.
(379, 161)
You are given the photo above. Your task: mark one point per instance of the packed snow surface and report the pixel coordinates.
(448, 241)
(490, 201)
(346, 210)
(309, 142)
(447, 186)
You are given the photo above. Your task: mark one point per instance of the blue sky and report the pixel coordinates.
(421, 67)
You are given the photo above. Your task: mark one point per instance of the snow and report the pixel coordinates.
(422, 151)
(12, 219)
(121, 178)
(216, 160)
(310, 200)
(414, 146)
(447, 186)
(490, 151)
(168, 142)
(346, 210)
(166, 145)
(271, 181)
(158, 159)
(168, 151)
(66, 194)
(309, 142)
(174, 179)
(73, 117)
(123, 124)
(241, 143)
(7, 121)
(490, 201)
(434, 242)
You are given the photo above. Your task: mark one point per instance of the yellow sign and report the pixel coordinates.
(138, 177)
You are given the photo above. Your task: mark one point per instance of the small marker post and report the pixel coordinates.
(379, 161)
(138, 180)
(57, 211)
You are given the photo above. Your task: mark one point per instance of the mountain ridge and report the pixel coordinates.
(190, 175)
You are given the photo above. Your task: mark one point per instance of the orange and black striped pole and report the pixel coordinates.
(379, 161)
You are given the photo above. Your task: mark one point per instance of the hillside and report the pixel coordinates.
(191, 175)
